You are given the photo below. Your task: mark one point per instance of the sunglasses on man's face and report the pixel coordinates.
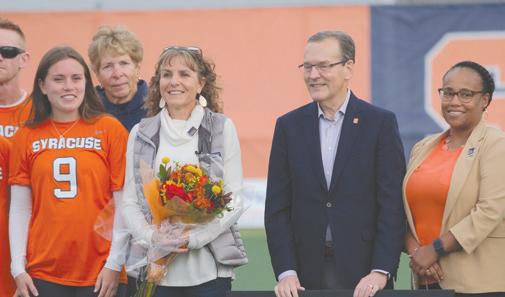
(9, 52)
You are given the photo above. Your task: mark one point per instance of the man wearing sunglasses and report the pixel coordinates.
(334, 214)
(14, 109)
(14, 103)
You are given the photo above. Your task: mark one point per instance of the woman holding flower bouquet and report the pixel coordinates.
(204, 154)
(66, 165)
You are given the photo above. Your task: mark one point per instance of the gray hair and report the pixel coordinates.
(117, 40)
(344, 39)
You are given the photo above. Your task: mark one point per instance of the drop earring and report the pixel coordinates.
(202, 100)
(162, 103)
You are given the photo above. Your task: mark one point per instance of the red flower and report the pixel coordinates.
(203, 180)
(177, 191)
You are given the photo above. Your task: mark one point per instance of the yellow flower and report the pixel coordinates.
(216, 189)
(165, 160)
(199, 171)
(195, 170)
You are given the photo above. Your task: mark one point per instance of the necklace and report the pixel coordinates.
(447, 141)
(62, 135)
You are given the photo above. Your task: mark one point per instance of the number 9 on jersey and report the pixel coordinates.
(65, 170)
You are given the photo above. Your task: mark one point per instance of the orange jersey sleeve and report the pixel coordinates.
(13, 117)
(19, 173)
(72, 179)
(8, 286)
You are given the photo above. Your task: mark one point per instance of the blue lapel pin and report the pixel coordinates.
(471, 151)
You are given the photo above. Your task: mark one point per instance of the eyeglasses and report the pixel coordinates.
(9, 52)
(464, 95)
(322, 67)
(193, 49)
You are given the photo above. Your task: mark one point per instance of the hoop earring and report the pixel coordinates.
(162, 103)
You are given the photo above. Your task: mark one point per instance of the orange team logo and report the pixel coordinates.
(483, 47)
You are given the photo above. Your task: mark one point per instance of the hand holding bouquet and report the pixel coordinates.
(178, 198)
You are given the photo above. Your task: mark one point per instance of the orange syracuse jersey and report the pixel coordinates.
(72, 178)
(7, 286)
(12, 117)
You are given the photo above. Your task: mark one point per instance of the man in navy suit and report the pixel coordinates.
(334, 215)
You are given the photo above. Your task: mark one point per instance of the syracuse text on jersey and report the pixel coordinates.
(8, 130)
(67, 143)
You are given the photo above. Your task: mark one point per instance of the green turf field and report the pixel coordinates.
(258, 274)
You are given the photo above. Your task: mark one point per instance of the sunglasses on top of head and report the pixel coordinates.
(9, 52)
(193, 49)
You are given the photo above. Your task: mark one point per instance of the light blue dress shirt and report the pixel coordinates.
(329, 135)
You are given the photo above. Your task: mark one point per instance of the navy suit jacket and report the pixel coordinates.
(363, 205)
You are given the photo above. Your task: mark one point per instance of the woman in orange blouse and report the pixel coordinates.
(454, 193)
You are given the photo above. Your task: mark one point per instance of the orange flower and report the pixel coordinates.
(202, 203)
(189, 177)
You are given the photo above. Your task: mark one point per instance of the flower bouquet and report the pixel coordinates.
(178, 198)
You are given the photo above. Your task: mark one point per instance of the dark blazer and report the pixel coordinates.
(363, 205)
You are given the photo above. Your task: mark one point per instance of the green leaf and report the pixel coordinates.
(163, 173)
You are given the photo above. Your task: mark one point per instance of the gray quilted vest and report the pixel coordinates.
(228, 248)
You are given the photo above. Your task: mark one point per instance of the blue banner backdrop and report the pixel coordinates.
(405, 38)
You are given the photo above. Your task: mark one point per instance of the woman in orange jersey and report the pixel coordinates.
(7, 287)
(66, 166)
(454, 193)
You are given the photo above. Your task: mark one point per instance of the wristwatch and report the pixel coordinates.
(439, 247)
(383, 272)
